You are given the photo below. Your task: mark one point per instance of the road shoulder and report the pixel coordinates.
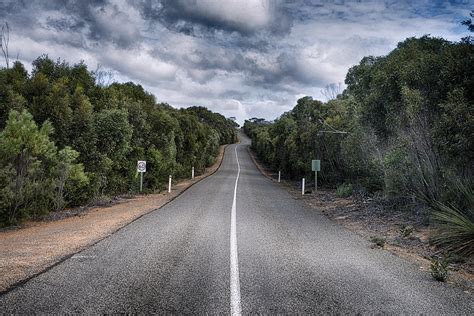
(38, 246)
(356, 215)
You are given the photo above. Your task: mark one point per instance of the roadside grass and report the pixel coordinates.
(378, 241)
(344, 190)
(454, 224)
(439, 268)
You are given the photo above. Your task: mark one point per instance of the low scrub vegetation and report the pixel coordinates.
(455, 223)
(344, 190)
(378, 241)
(439, 268)
(406, 231)
(65, 139)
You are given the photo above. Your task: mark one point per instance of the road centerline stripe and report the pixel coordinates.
(235, 308)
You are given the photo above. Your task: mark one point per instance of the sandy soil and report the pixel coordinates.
(32, 248)
(369, 217)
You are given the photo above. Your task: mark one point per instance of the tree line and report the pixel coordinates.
(403, 126)
(66, 140)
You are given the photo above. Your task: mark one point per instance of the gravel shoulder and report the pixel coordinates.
(369, 218)
(38, 245)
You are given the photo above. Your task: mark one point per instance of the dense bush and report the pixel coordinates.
(65, 140)
(404, 125)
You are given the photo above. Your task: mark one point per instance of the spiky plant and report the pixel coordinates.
(455, 226)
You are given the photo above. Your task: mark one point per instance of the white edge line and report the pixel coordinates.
(235, 308)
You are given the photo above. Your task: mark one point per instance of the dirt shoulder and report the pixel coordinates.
(38, 245)
(405, 236)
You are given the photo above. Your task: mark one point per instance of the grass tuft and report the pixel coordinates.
(344, 190)
(378, 241)
(439, 268)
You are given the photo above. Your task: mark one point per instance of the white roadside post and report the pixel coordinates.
(279, 175)
(141, 168)
(192, 173)
(169, 184)
(302, 187)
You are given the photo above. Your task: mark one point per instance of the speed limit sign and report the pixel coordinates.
(141, 166)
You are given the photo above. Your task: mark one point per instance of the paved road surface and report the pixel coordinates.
(281, 257)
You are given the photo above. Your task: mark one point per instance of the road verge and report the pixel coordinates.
(371, 219)
(38, 246)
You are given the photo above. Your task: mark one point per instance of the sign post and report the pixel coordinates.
(316, 166)
(141, 168)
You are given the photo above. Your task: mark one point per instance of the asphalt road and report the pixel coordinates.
(281, 257)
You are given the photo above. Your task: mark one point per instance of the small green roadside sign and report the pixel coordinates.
(316, 165)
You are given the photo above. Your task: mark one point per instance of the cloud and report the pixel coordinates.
(138, 65)
(109, 23)
(193, 17)
(242, 58)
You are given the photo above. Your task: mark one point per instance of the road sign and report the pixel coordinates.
(316, 165)
(141, 166)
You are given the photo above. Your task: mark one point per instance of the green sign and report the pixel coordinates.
(316, 165)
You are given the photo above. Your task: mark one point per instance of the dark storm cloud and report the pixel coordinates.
(244, 58)
(198, 18)
(95, 20)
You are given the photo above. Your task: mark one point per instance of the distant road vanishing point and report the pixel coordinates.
(235, 243)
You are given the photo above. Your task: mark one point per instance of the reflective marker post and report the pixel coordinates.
(192, 173)
(302, 187)
(279, 176)
(169, 184)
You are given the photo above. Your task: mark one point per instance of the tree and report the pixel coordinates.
(468, 22)
(68, 171)
(91, 138)
(4, 42)
(331, 91)
(103, 77)
(113, 143)
(13, 83)
(26, 154)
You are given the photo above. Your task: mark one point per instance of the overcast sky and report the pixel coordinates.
(241, 58)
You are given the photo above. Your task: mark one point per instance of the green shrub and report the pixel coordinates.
(439, 268)
(27, 157)
(455, 226)
(344, 190)
(455, 229)
(378, 241)
(406, 231)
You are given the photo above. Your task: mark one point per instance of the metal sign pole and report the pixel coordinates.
(316, 166)
(315, 181)
(141, 168)
(141, 181)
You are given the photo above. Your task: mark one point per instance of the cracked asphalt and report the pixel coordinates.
(291, 259)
